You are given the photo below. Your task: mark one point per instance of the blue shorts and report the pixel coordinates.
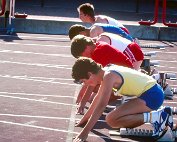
(153, 97)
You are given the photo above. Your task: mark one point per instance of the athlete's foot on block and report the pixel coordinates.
(168, 92)
(170, 117)
(161, 124)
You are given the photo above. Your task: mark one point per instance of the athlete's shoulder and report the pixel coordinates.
(101, 19)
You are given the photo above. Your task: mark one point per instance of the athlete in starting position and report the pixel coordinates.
(87, 14)
(122, 80)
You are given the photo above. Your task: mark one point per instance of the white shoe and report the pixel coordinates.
(170, 117)
(168, 136)
(161, 124)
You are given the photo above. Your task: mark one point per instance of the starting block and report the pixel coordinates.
(174, 90)
(153, 45)
(146, 65)
(171, 76)
(154, 63)
(151, 53)
(136, 132)
(168, 136)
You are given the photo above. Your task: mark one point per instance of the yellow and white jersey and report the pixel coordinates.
(134, 83)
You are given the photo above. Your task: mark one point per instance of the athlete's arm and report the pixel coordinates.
(104, 38)
(81, 93)
(95, 31)
(97, 107)
(84, 100)
(101, 20)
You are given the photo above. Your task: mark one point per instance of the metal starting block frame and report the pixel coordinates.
(151, 53)
(140, 132)
(153, 45)
(164, 77)
(154, 63)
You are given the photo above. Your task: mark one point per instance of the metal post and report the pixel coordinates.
(169, 24)
(148, 23)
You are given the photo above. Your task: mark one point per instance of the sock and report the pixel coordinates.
(153, 116)
(146, 117)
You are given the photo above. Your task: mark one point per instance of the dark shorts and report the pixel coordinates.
(153, 97)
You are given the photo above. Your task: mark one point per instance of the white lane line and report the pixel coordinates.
(39, 117)
(35, 100)
(37, 64)
(39, 95)
(33, 126)
(34, 53)
(72, 117)
(37, 77)
(30, 122)
(37, 80)
(37, 37)
(30, 44)
(49, 129)
(43, 117)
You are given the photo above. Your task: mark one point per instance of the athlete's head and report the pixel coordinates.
(86, 11)
(79, 46)
(76, 30)
(82, 67)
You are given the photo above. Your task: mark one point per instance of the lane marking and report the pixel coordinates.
(35, 100)
(34, 53)
(37, 37)
(38, 64)
(44, 117)
(39, 95)
(30, 122)
(49, 129)
(30, 44)
(50, 117)
(40, 117)
(38, 77)
(71, 125)
(37, 80)
(73, 104)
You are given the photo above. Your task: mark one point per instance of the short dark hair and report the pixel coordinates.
(82, 66)
(79, 44)
(75, 30)
(87, 9)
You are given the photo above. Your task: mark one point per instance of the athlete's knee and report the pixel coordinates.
(112, 121)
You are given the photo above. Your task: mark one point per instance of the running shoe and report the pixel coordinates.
(170, 116)
(161, 124)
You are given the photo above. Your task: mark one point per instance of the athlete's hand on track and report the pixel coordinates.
(81, 137)
(80, 109)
